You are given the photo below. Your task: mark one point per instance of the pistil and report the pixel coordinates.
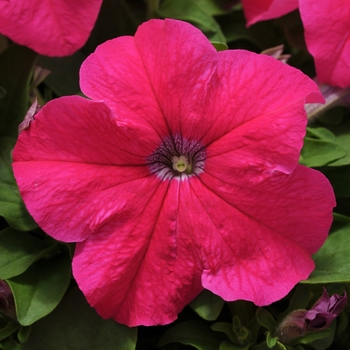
(177, 158)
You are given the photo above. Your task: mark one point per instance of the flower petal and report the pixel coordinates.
(256, 116)
(78, 130)
(160, 76)
(70, 201)
(52, 28)
(327, 35)
(74, 171)
(261, 10)
(253, 233)
(140, 272)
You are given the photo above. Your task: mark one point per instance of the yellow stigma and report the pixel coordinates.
(180, 164)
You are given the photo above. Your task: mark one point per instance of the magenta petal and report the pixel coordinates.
(52, 28)
(261, 10)
(160, 76)
(77, 130)
(70, 201)
(327, 34)
(258, 102)
(140, 271)
(73, 170)
(259, 231)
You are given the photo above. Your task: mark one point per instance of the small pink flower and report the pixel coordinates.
(180, 174)
(325, 310)
(319, 317)
(327, 32)
(52, 28)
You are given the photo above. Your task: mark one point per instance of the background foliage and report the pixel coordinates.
(51, 313)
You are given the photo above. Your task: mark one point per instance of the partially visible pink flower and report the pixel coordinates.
(327, 32)
(325, 310)
(319, 317)
(262, 10)
(7, 303)
(327, 35)
(49, 27)
(181, 174)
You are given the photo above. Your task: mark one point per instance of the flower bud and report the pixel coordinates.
(325, 310)
(319, 317)
(7, 303)
(292, 327)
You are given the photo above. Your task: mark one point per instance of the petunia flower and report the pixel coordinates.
(327, 32)
(179, 174)
(319, 317)
(325, 310)
(7, 303)
(52, 28)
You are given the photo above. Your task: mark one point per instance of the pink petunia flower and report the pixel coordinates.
(52, 28)
(325, 310)
(327, 32)
(319, 317)
(180, 174)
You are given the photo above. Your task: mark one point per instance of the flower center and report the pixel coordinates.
(177, 157)
(181, 164)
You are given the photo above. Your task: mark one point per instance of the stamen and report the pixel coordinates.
(177, 157)
(180, 163)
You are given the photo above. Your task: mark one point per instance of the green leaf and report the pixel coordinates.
(320, 134)
(236, 332)
(342, 134)
(13, 210)
(333, 259)
(9, 344)
(319, 340)
(219, 46)
(12, 207)
(19, 250)
(40, 288)
(75, 325)
(226, 328)
(16, 64)
(340, 218)
(266, 319)
(23, 333)
(214, 7)
(207, 305)
(10, 328)
(194, 333)
(192, 11)
(270, 340)
(316, 153)
(6, 147)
